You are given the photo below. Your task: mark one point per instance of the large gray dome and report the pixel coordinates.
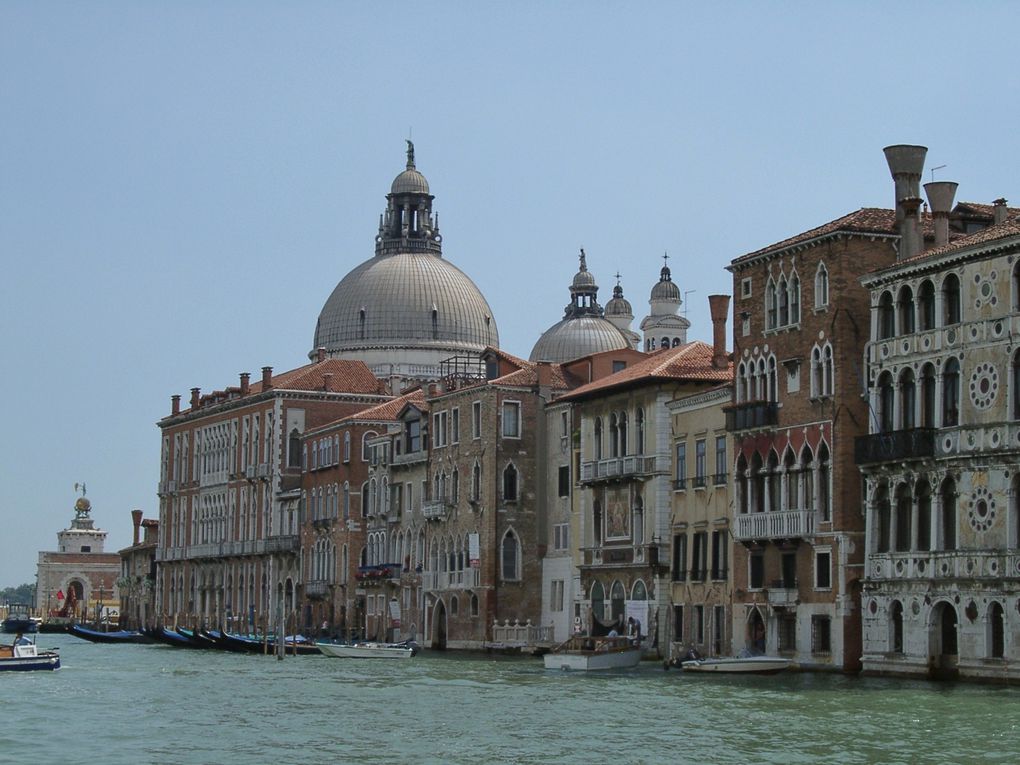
(406, 299)
(576, 337)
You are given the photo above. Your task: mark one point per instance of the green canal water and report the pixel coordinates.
(155, 704)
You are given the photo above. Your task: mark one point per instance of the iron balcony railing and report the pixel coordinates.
(751, 414)
(896, 445)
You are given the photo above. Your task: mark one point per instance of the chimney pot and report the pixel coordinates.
(320, 354)
(175, 404)
(267, 378)
(245, 383)
(136, 519)
(906, 163)
(999, 211)
(940, 197)
(719, 307)
(327, 381)
(195, 397)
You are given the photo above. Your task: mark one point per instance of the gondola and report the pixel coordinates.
(120, 636)
(172, 638)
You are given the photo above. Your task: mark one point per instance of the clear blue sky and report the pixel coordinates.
(182, 184)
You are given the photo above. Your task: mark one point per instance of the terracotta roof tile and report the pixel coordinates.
(688, 362)
(346, 376)
(867, 220)
(1008, 228)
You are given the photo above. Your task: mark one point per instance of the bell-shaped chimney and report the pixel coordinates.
(940, 198)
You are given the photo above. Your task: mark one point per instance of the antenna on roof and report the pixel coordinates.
(686, 293)
(938, 167)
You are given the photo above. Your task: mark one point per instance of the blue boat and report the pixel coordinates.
(24, 656)
(120, 636)
(19, 621)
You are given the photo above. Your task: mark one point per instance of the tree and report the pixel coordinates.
(22, 594)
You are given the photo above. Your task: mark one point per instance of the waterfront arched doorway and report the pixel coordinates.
(439, 626)
(943, 653)
(756, 633)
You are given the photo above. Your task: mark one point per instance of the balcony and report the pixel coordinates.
(751, 415)
(467, 578)
(283, 544)
(316, 588)
(783, 594)
(435, 509)
(625, 555)
(786, 524)
(616, 468)
(942, 564)
(517, 635)
(379, 574)
(897, 445)
(411, 458)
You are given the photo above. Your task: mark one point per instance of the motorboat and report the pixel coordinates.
(19, 621)
(25, 656)
(368, 650)
(747, 665)
(587, 653)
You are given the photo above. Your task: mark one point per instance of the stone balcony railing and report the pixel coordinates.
(898, 445)
(943, 564)
(435, 509)
(411, 458)
(784, 594)
(316, 588)
(284, 543)
(520, 635)
(785, 524)
(615, 468)
(451, 580)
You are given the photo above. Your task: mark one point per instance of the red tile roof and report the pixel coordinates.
(347, 376)
(689, 362)
(390, 410)
(1008, 228)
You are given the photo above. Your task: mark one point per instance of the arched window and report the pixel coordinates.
(664, 342)
(947, 495)
(996, 631)
(474, 604)
(598, 600)
(923, 493)
(951, 300)
(782, 291)
(639, 429)
(821, 286)
(905, 309)
(757, 483)
(1014, 388)
(951, 393)
(794, 299)
(676, 341)
(510, 557)
(598, 438)
(896, 620)
(614, 433)
(908, 399)
(347, 446)
(364, 444)
(816, 372)
(476, 482)
(510, 483)
(361, 324)
(617, 600)
(294, 449)
(1015, 301)
(807, 467)
(773, 480)
(928, 396)
(791, 474)
(347, 500)
(904, 503)
(883, 519)
(623, 434)
(364, 499)
(742, 499)
(455, 486)
(926, 303)
(596, 521)
(886, 317)
(886, 396)
(828, 372)
(771, 305)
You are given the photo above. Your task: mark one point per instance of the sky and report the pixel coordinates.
(183, 184)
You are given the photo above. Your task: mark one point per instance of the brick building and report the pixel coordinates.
(137, 582)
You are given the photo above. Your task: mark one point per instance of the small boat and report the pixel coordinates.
(120, 636)
(19, 621)
(747, 665)
(368, 650)
(25, 656)
(584, 653)
(172, 638)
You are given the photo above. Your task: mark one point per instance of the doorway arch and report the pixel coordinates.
(943, 645)
(439, 626)
(756, 642)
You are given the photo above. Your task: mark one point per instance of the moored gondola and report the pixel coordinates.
(120, 636)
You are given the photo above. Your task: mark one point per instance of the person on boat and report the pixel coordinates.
(20, 639)
(613, 633)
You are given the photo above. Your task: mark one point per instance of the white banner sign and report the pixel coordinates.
(474, 550)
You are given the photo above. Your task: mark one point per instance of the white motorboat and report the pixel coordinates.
(24, 656)
(750, 665)
(367, 650)
(592, 653)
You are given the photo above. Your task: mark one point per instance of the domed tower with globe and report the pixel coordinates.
(407, 309)
(664, 327)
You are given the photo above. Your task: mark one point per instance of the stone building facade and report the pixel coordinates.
(137, 582)
(942, 554)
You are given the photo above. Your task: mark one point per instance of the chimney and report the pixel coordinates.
(999, 211)
(194, 397)
(327, 381)
(175, 404)
(136, 519)
(906, 163)
(245, 383)
(911, 242)
(940, 197)
(719, 307)
(320, 355)
(544, 369)
(267, 379)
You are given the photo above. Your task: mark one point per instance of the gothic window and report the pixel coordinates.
(773, 380)
(886, 396)
(904, 504)
(821, 286)
(926, 303)
(294, 449)
(510, 557)
(908, 398)
(816, 372)
(905, 309)
(948, 496)
(886, 317)
(771, 305)
(510, 483)
(639, 430)
(1014, 390)
(613, 436)
(476, 482)
(794, 299)
(883, 519)
(807, 479)
(598, 438)
(828, 372)
(347, 446)
(923, 493)
(951, 300)
(773, 482)
(639, 520)
(782, 291)
(598, 600)
(455, 486)
(951, 393)
(623, 434)
(928, 396)
(347, 500)
(790, 471)
(996, 631)
(757, 484)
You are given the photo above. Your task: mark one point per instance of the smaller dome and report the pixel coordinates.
(583, 280)
(665, 289)
(619, 305)
(410, 182)
(580, 336)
